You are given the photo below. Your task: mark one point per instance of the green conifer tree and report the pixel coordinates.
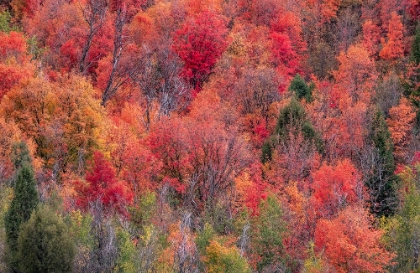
(44, 244)
(301, 88)
(267, 237)
(292, 121)
(382, 182)
(24, 201)
(415, 47)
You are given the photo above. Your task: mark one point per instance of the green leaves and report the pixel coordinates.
(44, 244)
(300, 88)
(25, 200)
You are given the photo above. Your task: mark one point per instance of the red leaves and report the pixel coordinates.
(102, 186)
(287, 44)
(12, 45)
(199, 43)
(14, 61)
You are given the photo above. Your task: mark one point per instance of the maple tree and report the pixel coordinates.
(371, 37)
(350, 244)
(394, 47)
(400, 123)
(356, 73)
(212, 135)
(336, 187)
(102, 186)
(200, 46)
(15, 64)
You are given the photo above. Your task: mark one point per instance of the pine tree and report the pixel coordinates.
(293, 119)
(403, 232)
(382, 182)
(44, 244)
(23, 203)
(301, 88)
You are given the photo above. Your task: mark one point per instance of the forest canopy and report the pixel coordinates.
(209, 136)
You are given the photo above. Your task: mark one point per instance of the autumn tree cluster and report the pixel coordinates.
(209, 136)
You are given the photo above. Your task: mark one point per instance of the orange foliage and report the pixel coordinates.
(350, 244)
(393, 48)
(335, 187)
(356, 74)
(400, 123)
(371, 38)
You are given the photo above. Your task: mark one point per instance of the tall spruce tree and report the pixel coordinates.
(382, 183)
(24, 201)
(267, 237)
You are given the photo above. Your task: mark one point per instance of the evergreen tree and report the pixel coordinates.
(44, 244)
(267, 151)
(267, 238)
(24, 201)
(20, 154)
(300, 88)
(415, 47)
(403, 230)
(292, 121)
(382, 182)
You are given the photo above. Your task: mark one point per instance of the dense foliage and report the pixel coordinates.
(209, 136)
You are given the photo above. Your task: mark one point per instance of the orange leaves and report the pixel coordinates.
(63, 118)
(324, 10)
(335, 187)
(400, 123)
(329, 9)
(356, 75)
(201, 153)
(350, 244)
(371, 37)
(393, 48)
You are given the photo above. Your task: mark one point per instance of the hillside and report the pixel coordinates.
(209, 136)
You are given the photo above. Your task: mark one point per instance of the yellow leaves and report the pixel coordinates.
(297, 201)
(220, 259)
(243, 182)
(57, 115)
